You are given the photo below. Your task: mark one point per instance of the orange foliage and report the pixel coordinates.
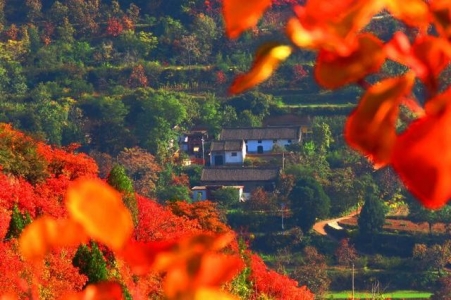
(266, 61)
(104, 290)
(187, 262)
(274, 285)
(371, 128)
(334, 71)
(42, 235)
(100, 210)
(205, 212)
(70, 164)
(157, 222)
(242, 15)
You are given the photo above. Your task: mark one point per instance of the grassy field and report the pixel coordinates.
(389, 295)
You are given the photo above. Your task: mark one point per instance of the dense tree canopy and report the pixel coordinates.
(308, 202)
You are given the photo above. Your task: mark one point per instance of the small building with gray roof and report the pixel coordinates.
(250, 178)
(230, 152)
(263, 139)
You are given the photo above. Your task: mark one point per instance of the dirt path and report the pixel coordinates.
(319, 226)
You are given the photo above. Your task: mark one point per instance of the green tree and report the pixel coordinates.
(227, 197)
(309, 202)
(140, 43)
(174, 193)
(372, 216)
(121, 182)
(204, 29)
(154, 116)
(166, 190)
(106, 123)
(194, 173)
(17, 223)
(90, 262)
(322, 136)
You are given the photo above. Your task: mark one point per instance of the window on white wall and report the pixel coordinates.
(234, 154)
(274, 141)
(259, 141)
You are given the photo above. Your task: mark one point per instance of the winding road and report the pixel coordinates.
(319, 227)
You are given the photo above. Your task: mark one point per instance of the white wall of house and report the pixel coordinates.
(233, 157)
(229, 157)
(253, 145)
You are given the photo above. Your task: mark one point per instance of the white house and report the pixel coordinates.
(263, 139)
(227, 152)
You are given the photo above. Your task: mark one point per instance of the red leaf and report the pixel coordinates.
(427, 57)
(241, 15)
(44, 233)
(333, 71)
(412, 12)
(441, 13)
(370, 128)
(99, 291)
(422, 157)
(99, 208)
(266, 61)
(141, 256)
(320, 25)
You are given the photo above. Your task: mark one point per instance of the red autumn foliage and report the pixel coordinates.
(274, 285)
(127, 23)
(12, 33)
(114, 27)
(180, 180)
(138, 77)
(5, 218)
(205, 212)
(59, 275)
(70, 164)
(221, 77)
(157, 222)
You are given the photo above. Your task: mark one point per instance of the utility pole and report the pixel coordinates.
(283, 160)
(203, 151)
(283, 208)
(352, 281)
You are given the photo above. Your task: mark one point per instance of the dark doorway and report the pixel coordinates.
(219, 160)
(260, 149)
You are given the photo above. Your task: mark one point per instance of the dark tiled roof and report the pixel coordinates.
(232, 145)
(261, 133)
(286, 120)
(239, 174)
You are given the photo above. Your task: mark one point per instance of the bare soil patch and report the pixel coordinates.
(400, 225)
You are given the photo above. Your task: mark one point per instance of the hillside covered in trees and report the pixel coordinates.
(93, 71)
(34, 181)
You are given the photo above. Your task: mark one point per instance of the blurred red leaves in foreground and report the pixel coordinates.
(371, 128)
(242, 15)
(346, 55)
(100, 210)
